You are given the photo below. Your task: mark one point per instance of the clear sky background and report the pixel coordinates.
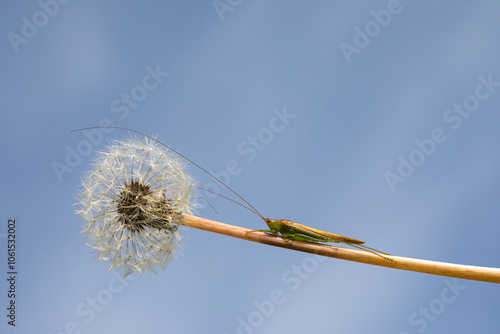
(360, 89)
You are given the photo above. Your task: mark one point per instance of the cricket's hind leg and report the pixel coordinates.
(369, 249)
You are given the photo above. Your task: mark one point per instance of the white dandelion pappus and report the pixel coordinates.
(133, 200)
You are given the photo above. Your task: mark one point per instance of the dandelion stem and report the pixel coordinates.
(484, 274)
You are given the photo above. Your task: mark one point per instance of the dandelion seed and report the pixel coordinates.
(133, 201)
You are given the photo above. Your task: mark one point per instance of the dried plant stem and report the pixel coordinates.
(484, 274)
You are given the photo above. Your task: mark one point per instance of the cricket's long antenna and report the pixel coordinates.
(229, 199)
(254, 210)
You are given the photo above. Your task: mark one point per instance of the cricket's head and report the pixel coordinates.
(274, 224)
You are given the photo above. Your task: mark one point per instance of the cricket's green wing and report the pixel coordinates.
(302, 232)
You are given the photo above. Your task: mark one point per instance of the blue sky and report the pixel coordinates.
(375, 120)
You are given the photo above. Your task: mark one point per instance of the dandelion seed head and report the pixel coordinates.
(132, 201)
